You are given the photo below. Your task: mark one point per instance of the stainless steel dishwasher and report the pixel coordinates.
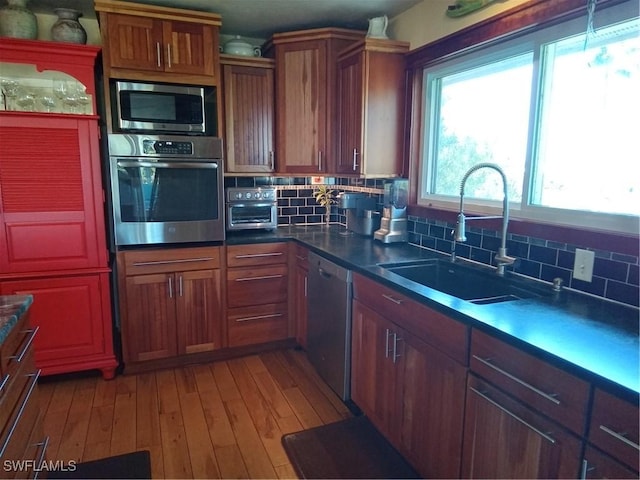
(329, 323)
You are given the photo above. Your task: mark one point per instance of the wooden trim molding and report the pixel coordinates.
(519, 20)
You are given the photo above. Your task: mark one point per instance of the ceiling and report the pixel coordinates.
(261, 18)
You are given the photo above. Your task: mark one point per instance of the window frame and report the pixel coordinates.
(511, 24)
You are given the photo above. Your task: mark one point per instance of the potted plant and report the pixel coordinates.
(325, 197)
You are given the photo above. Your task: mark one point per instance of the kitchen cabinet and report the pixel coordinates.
(406, 379)
(248, 91)
(52, 224)
(371, 104)
(614, 430)
(170, 303)
(257, 293)
(527, 434)
(300, 296)
(21, 433)
(159, 43)
(306, 78)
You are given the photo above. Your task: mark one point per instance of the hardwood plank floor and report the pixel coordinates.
(218, 420)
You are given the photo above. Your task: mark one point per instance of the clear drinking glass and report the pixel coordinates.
(10, 88)
(26, 100)
(48, 101)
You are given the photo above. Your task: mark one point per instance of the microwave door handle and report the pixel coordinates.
(127, 163)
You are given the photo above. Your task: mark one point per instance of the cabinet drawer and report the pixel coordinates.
(302, 257)
(35, 451)
(178, 259)
(434, 328)
(614, 427)
(257, 324)
(546, 388)
(256, 254)
(257, 286)
(599, 465)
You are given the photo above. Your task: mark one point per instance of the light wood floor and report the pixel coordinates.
(220, 420)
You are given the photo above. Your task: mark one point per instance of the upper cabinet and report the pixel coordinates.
(147, 42)
(306, 97)
(248, 113)
(371, 100)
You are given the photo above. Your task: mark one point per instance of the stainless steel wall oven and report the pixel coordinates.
(166, 189)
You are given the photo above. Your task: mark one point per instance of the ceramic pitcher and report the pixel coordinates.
(378, 27)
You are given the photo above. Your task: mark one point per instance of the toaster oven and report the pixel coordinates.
(252, 208)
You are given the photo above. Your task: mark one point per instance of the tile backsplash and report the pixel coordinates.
(615, 276)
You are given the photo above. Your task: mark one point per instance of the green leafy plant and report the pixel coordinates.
(325, 197)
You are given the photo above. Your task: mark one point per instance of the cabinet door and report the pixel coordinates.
(135, 42)
(248, 101)
(373, 368)
(431, 392)
(198, 311)
(149, 323)
(301, 96)
(189, 48)
(505, 439)
(350, 115)
(72, 314)
(50, 194)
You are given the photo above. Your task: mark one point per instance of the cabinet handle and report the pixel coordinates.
(258, 317)
(355, 159)
(258, 255)
(44, 444)
(263, 277)
(549, 396)
(306, 281)
(271, 162)
(620, 436)
(34, 382)
(300, 257)
(180, 285)
(169, 54)
(158, 54)
(169, 262)
(32, 334)
(5, 380)
(396, 339)
(170, 287)
(513, 415)
(392, 299)
(386, 343)
(319, 160)
(585, 469)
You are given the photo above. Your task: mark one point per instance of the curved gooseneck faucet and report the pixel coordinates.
(459, 234)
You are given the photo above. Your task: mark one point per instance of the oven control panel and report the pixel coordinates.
(251, 194)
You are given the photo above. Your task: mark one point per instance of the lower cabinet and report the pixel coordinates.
(412, 391)
(505, 439)
(73, 314)
(171, 304)
(257, 293)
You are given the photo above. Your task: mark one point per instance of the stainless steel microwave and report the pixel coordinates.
(142, 107)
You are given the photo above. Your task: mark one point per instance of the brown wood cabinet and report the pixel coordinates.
(170, 303)
(257, 293)
(306, 132)
(406, 380)
(526, 434)
(159, 43)
(248, 87)
(371, 104)
(21, 433)
(614, 430)
(300, 296)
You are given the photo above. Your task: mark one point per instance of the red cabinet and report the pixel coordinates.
(52, 226)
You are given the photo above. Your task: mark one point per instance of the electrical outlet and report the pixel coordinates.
(583, 265)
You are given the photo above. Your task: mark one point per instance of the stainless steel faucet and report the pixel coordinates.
(459, 234)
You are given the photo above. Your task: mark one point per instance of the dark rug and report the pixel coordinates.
(129, 465)
(351, 448)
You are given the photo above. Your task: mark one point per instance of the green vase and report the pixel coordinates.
(17, 21)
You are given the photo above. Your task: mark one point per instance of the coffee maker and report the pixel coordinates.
(360, 212)
(393, 225)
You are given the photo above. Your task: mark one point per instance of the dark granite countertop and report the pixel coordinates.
(11, 309)
(591, 337)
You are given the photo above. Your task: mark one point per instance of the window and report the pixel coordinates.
(557, 110)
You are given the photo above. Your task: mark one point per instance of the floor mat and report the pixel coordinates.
(352, 448)
(129, 465)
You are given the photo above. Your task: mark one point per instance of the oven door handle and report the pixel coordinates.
(129, 163)
(252, 204)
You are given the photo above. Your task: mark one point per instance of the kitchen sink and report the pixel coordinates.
(466, 282)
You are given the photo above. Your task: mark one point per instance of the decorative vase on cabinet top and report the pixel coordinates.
(67, 28)
(17, 21)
